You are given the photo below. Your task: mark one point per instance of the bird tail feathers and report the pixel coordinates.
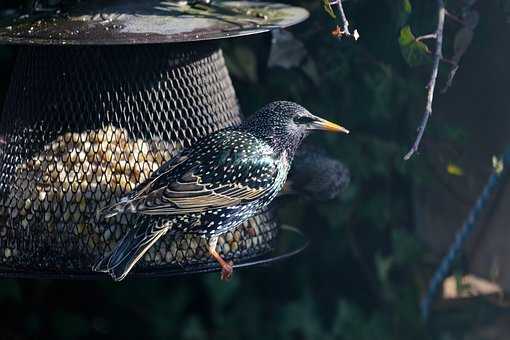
(130, 250)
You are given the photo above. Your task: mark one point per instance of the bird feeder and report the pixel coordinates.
(100, 97)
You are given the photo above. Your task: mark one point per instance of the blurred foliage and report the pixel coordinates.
(326, 4)
(360, 278)
(414, 52)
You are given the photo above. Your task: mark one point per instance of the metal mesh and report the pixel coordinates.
(83, 126)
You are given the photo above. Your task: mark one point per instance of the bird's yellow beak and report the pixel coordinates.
(322, 124)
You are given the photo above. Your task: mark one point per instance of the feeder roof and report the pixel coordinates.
(142, 22)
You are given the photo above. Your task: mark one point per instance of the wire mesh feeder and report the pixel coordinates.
(83, 125)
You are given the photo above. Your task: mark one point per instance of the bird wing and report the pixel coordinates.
(222, 182)
(151, 183)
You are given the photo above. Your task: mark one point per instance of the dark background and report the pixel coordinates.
(365, 270)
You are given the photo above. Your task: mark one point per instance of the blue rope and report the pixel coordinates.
(460, 238)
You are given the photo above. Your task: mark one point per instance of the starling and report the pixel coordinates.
(316, 176)
(214, 185)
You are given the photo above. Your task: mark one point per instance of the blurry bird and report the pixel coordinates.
(316, 176)
(213, 186)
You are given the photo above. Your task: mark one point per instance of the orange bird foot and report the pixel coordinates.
(226, 270)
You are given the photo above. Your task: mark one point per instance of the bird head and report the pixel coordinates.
(285, 124)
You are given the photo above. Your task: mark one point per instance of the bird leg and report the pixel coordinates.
(226, 267)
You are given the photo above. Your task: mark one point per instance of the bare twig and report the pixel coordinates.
(426, 36)
(343, 18)
(344, 30)
(438, 55)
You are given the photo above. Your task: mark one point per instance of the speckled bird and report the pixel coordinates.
(216, 184)
(315, 175)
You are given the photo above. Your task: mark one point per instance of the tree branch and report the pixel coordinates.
(344, 30)
(426, 36)
(438, 55)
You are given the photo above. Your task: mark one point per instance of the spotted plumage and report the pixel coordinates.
(216, 184)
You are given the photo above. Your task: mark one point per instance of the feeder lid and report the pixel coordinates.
(143, 22)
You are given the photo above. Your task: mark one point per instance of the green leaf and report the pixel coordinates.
(414, 52)
(400, 12)
(326, 4)
(404, 11)
(454, 169)
(406, 6)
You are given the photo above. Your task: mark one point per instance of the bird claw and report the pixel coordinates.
(226, 270)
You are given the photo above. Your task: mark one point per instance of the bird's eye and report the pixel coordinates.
(303, 120)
